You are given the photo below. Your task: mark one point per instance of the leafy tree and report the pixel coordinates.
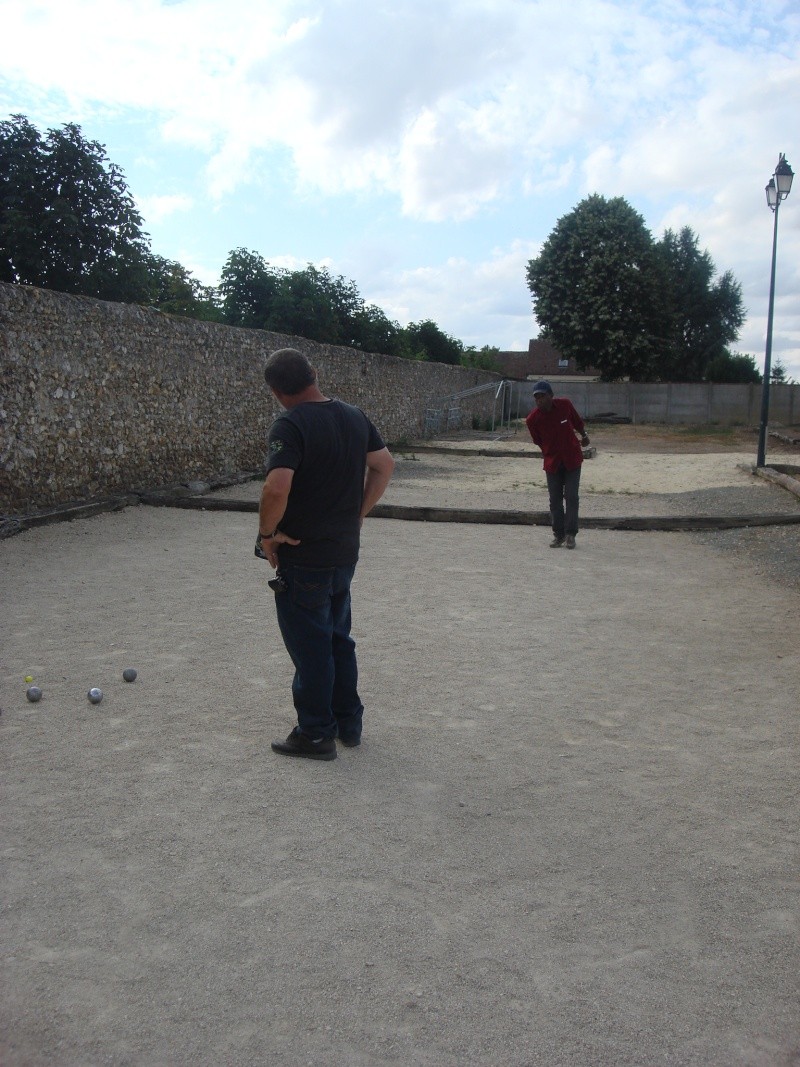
(305, 306)
(595, 289)
(309, 303)
(67, 220)
(732, 367)
(427, 341)
(316, 304)
(21, 199)
(373, 331)
(249, 287)
(174, 290)
(344, 299)
(484, 358)
(778, 374)
(704, 316)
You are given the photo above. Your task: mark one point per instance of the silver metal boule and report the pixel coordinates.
(95, 696)
(129, 674)
(34, 694)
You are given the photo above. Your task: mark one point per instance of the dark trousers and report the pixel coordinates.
(314, 620)
(563, 488)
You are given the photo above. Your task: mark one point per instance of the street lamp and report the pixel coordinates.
(777, 189)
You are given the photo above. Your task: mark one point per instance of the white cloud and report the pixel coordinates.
(157, 208)
(444, 105)
(202, 272)
(479, 302)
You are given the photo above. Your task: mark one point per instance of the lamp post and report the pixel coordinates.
(777, 189)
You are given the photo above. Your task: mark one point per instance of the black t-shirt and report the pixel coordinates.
(326, 446)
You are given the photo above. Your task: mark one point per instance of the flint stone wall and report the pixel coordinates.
(99, 398)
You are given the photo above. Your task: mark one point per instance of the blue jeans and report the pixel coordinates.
(562, 487)
(314, 620)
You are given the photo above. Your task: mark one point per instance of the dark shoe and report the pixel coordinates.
(557, 542)
(297, 744)
(350, 742)
(569, 541)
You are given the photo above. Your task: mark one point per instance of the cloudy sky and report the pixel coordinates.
(426, 148)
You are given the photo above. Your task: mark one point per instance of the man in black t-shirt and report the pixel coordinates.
(327, 467)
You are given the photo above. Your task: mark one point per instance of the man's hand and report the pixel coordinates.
(269, 546)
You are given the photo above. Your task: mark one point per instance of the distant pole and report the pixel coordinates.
(777, 189)
(762, 429)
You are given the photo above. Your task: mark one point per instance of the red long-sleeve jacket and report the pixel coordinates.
(554, 432)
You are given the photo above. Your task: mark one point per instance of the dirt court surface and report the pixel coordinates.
(630, 437)
(631, 459)
(569, 838)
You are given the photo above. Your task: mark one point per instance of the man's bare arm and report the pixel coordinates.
(380, 465)
(274, 497)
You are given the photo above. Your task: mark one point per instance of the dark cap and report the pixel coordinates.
(543, 387)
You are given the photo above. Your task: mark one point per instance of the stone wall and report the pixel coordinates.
(99, 398)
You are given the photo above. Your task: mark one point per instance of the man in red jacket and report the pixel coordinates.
(555, 427)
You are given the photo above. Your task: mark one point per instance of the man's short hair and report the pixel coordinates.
(289, 371)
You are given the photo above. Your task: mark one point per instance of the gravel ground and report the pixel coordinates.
(569, 838)
(772, 552)
(427, 478)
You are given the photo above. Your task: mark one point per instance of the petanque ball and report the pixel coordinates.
(129, 674)
(95, 696)
(34, 694)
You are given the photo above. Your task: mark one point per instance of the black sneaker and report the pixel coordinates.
(297, 744)
(557, 542)
(569, 541)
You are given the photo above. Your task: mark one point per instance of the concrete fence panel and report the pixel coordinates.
(675, 402)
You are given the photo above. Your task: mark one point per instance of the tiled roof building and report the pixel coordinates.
(541, 361)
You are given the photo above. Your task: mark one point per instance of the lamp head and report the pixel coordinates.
(783, 177)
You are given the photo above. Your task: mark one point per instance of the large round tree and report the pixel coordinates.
(595, 289)
(705, 313)
(67, 219)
